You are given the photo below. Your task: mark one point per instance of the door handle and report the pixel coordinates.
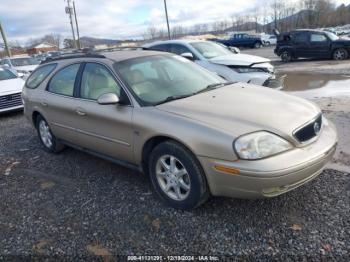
(80, 112)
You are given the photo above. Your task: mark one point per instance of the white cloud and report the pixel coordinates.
(113, 18)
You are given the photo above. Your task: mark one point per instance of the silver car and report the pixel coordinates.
(192, 133)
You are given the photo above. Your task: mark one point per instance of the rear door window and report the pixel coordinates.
(301, 38)
(63, 81)
(163, 48)
(179, 49)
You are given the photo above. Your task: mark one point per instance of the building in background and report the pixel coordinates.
(41, 48)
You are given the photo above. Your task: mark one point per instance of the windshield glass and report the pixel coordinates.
(210, 50)
(25, 61)
(6, 74)
(332, 36)
(155, 79)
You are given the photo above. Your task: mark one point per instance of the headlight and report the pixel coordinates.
(260, 145)
(247, 69)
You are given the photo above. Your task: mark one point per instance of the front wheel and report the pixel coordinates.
(340, 54)
(177, 176)
(47, 139)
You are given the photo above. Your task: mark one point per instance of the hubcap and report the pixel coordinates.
(45, 133)
(173, 177)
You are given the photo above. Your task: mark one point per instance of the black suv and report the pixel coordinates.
(311, 44)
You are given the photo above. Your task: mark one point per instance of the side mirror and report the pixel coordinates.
(188, 55)
(108, 99)
(21, 75)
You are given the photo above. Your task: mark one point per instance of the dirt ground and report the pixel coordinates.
(336, 107)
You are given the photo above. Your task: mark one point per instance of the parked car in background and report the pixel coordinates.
(11, 86)
(22, 64)
(195, 134)
(242, 40)
(235, 67)
(306, 43)
(269, 39)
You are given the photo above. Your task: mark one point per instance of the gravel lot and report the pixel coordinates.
(75, 204)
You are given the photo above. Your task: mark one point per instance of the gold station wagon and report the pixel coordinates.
(192, 132)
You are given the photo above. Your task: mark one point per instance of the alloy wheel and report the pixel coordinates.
(173, 177)
(45, 134)
(339, 55)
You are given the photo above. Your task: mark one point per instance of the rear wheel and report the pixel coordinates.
(257, 45)
(177, 176)
(47, 139)
(286, 56)
(340, 54)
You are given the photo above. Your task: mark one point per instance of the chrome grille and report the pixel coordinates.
(309, 131)
(9, 101)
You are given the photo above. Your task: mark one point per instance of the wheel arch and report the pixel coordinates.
(35, 115)
(152, 142)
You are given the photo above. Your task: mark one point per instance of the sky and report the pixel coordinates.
(115, 19)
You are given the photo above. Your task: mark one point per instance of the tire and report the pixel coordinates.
(286, 56)
(47, 139)
(257, 45)
(340, 54)
(177, 176)
(267, 43)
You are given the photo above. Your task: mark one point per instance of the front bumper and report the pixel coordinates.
(275, 175)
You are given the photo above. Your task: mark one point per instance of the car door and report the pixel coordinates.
(319, 45)
(58, 102)
(301, 44)
(104, 129)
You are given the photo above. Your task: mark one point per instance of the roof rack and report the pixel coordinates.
(112, 49)
(72, 56)
(93, 53)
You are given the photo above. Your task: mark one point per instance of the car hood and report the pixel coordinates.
(28, 68)
(11, 86)
(239, 59)
(242, 108)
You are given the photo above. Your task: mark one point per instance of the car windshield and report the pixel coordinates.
(25, 61)
(6, 74)
(161, 78)
(210, 50)
(332, 36)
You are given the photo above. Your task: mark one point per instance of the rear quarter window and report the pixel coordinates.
(39, 75)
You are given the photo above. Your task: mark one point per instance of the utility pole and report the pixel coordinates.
(8, 51)
(76, 25)
(167, 19)
(69, 12)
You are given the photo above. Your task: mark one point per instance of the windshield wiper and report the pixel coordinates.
(207, 88)
(213, 86)
(172, 98)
